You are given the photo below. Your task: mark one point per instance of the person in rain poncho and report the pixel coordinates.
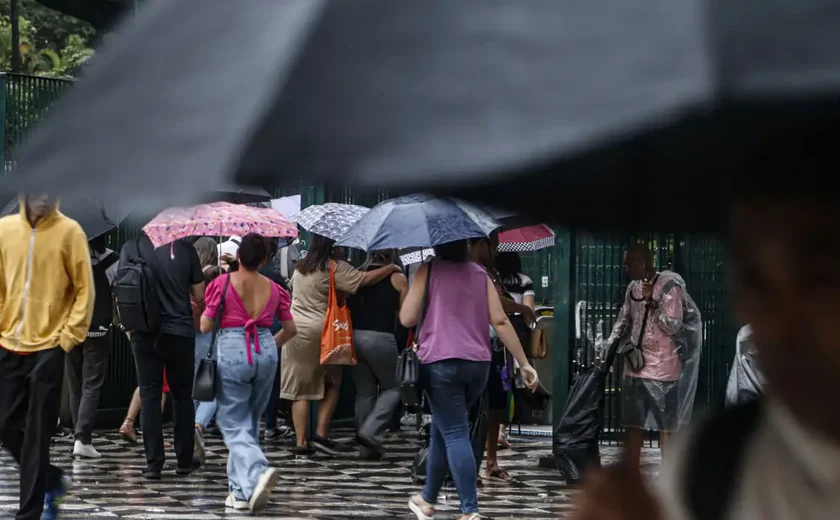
(746, 382)
(659, 394)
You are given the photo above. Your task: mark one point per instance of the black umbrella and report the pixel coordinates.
(502, 100)
(89, 213)
(235, 195)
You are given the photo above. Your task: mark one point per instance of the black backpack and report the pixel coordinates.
(716, 459)
(135, 291)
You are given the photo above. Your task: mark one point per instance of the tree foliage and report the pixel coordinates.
(51, 43)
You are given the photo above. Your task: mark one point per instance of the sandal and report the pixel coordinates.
(503, 443)
(127, 431)
(499, 475)
(470, 516)
(421, 509)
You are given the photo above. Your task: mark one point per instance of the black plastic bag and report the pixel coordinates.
(575, 441)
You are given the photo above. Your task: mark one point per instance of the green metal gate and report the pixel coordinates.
(23, 100)
(599, 282)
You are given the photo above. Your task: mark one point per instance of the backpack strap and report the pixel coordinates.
(716, 458)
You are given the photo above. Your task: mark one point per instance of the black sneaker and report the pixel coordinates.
(327, 446)
(151, 474)
(303, 451)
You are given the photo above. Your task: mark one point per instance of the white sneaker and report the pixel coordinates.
(234, 503)
(85, 450)
(262, 491)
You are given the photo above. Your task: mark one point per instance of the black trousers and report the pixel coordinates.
(30, 399)
(86, 369)
(176, 354)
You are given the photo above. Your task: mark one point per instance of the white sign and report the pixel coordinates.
(545, 281)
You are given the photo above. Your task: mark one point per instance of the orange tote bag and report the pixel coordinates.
(337, 336)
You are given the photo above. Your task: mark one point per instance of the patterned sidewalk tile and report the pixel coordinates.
(317, 488)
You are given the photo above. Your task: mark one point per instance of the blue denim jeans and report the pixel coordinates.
(242, 392)
(274, 401)
(452, 386)
(204, 411)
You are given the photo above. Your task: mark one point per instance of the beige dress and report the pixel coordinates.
(302, 377)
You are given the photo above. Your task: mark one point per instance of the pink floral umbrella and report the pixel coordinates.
(217, 219)
(529, 238)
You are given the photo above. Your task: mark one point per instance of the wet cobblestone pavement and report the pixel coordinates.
(317, 488)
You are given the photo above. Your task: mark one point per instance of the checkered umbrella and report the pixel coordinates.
(331, 220)
(415, 255)
(531, 238)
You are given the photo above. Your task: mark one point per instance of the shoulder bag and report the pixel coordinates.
(204, 386)
(408, 365)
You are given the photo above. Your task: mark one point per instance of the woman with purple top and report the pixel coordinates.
(455, 359)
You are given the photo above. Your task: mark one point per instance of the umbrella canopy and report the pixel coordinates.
(530, 238)
(418, 221)
(500, 101)
(217, 219)
(331, 220)
(90, 214)
(245, 195)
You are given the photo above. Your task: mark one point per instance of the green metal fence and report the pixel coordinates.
(598, 286)
(23, 101)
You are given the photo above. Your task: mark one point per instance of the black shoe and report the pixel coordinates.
(183, 472)
(151, 474)
(329, 447)
(303, 451)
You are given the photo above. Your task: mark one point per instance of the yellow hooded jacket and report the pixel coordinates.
(46, 283)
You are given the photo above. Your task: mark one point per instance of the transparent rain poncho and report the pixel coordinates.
(659, 396)
(746, 381)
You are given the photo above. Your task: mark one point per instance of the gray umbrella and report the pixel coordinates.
(331, 220)
(436, 94)
(418, 221)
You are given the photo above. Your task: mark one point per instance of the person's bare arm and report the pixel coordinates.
(501, 324)
(205, 325)
(288, 331)
(197, 292)
(400, 283)
(410, 309)
(511, 307)
(377, 275)
(529, 301)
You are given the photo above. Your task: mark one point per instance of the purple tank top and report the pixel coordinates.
(456, 324)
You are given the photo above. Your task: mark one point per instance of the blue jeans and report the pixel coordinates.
(274, 401)
(452, 386)
(242, 392)
(204, 411)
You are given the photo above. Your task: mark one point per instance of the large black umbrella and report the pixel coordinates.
(89, 213)
(604, 112)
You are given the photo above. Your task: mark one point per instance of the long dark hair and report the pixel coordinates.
(317, 256)
(508, 264)
(457, 251)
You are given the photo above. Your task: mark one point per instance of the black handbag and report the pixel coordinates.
(204, 386)
(632, 352)
(408, 365)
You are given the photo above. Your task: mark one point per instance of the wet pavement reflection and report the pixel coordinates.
(317, 488)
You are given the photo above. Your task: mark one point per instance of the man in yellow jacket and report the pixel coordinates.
(46, 305)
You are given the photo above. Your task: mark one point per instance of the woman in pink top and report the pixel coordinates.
(246, 356)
